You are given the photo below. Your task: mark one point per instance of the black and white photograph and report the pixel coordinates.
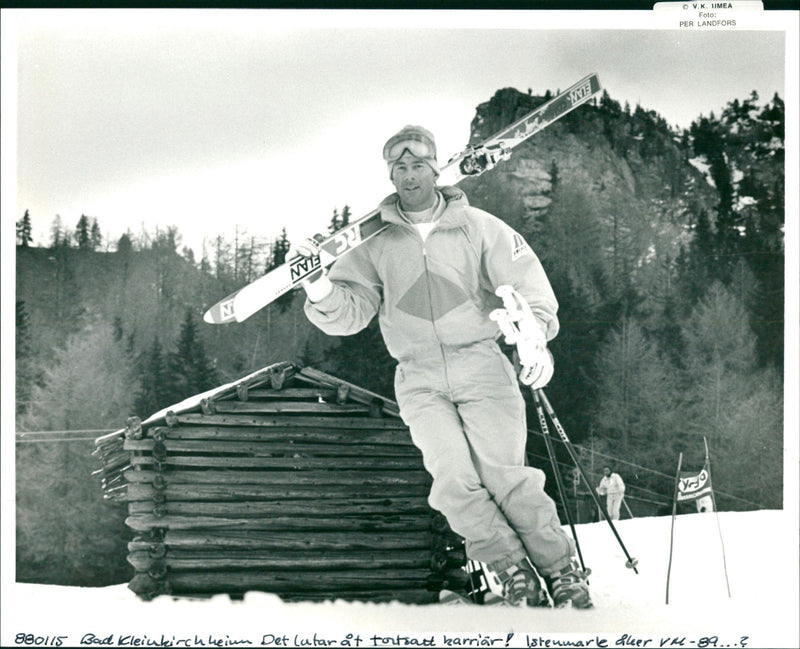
(400, 328)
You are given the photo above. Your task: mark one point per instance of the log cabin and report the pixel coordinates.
(287, 481)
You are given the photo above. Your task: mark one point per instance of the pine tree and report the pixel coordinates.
(749, 461)
(244, 258)
(66, 534)
(95, 238)
(584, 323)
(205, 263)
(346, 214)
(153, 393)
(697, 266)
(66, 301)
(763, 185)
(280, 248)
(709, 141)
(773, 119)
(24, 230)
(568, 245)
(223, 263)
(89, 384)
(336, 222)
(736, 405)
(58, 236)
(720, 357)
(125, 244)
(83, 233)
(339, 221)
(188, 254)
(189, 369)
(636, 389)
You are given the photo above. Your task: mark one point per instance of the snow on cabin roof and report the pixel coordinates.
(263, 375)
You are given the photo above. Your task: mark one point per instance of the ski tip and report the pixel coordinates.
(221, 313)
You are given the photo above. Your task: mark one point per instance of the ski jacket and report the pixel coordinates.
(435, 292)
(612, 484)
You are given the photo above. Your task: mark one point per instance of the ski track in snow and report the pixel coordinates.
(761, 554)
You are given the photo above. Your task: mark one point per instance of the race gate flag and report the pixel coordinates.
(692, 486)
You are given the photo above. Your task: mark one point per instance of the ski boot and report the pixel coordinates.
(521, 585)
(569, 587)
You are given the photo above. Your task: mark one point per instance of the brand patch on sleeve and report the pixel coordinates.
(520, 247)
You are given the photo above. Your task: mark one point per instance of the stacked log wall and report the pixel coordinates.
(296, 484)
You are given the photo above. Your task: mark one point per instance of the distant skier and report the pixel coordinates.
(430, 277)
(613, 488)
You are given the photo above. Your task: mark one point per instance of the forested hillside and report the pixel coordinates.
(664, 247)
(665, 250)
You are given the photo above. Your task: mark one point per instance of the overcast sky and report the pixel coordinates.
(270, 119)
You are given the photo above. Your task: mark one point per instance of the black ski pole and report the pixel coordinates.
(557, 473)
(631, 563)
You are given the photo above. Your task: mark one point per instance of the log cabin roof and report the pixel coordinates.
(269, 378)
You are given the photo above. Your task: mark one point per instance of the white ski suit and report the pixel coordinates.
(613, 488)
(456, 390)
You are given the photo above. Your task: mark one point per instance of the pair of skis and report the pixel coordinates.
(472, 161)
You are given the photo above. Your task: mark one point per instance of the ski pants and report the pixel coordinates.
(467, 416)
(613, 502)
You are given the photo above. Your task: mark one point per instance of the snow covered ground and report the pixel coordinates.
(761, 554)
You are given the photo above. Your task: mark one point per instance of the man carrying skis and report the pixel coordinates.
(613, 488)
(431, 278)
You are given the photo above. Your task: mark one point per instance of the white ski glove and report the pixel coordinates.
(535, 358)
(523, 330)
(317, 286)
(538, 374)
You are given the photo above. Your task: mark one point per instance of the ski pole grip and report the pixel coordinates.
(515, 304)
(507, 327)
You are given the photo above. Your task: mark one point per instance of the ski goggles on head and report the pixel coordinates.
(415, 143)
